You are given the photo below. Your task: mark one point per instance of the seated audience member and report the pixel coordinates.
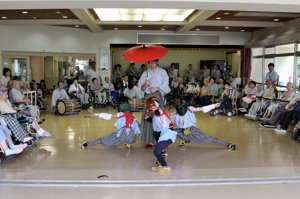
(107, 85)
(260, 91)
(250, 97)
(6, 143)
(24, 88)
(283, 115)
(255, 106)
(227, 97)
(59, 94)
(15, 95)
(6, 107)
(39, 91)
(178, 85)
(99, 91)
(132, 91)
(9, 85)
(204, 91)
(228, 72)
(44, 88)
(232, 82)
(221, 84)
(212, 90)
(79, 90)
(174, 82)
(124, 83)
(247, 88)
(193, 89)
(286, 96)
(65, 86)
(4, 79)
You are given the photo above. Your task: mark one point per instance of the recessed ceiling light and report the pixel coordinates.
(218, 18)
(226, 27)
(57, 12)
(116, 28)
(162, 29)
(197, 29)
(4, 17)
(276, 19)
(65, 17)
(243, 30)
(24, 12)
(140, 26)
(77, 26)
(226, 13)
(33, 17)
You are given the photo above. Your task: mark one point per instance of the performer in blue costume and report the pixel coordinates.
(127, 129)
(163, 134)
(187, 130)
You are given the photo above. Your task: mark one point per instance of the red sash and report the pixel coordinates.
(129, 118)
(165, 113)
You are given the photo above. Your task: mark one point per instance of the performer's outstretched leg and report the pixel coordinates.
(111, 140)
(198, 136)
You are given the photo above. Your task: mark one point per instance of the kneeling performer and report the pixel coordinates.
(187, 131)
(161, 132)
(127, 128)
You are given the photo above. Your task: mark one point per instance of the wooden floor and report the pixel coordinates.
(261, 154)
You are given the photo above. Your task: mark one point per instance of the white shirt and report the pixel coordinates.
(92, 74)
(105, 85)
(134, 93)
(73, 87)
(4, 80)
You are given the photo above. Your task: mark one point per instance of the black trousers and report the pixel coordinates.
(160, 147)
(286, 119)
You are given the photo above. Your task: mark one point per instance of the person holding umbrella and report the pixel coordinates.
(154, 82)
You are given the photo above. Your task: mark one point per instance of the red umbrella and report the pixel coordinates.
(145, 53)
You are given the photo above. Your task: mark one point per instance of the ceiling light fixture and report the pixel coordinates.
(116, 28)
(140, 26)
(243, 30)
(276, 19)
(77, 26)
(25, 12)
(162, 29)
(65, 17)
(197, 29)
(58, 12)
(218, 18)
(226, 13)
(226, 27)
(4, 17)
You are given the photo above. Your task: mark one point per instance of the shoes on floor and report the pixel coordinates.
(232, 146)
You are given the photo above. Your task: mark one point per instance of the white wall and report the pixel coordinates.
(39, 38)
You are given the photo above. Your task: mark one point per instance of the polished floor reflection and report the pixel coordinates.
(261, 153)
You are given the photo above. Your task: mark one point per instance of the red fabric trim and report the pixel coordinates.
(165, 113)
(129, 118)
(189, 110)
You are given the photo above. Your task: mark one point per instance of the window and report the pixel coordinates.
(257, 51)
(270, 50)
(18, 67)
(287, 48)
(285, 69)
(298, 72)
(256, 70)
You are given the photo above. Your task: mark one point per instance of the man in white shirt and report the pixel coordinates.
(131, 91)
(79, 90)
(59, 94)
(93, 73)
(232, 82)
(272, 74)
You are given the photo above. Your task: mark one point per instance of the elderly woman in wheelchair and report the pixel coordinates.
(6, 108)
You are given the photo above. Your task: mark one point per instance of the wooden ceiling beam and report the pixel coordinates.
(87, 18)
